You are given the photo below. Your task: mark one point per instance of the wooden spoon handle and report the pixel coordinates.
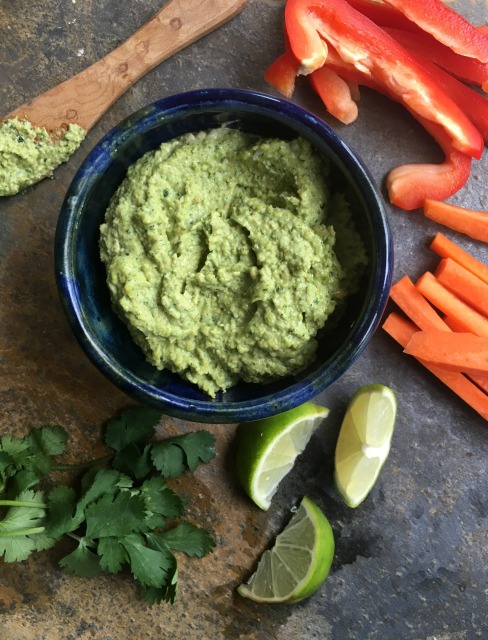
(84, 98)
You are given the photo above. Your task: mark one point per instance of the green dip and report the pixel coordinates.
(219, 250)
(29, 154)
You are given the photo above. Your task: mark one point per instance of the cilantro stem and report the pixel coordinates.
(88, 543)
(21, 503)
(22, 532)
(74, 536)
(80, 467)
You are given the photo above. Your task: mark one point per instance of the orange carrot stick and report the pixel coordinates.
(402, 331)
(446, 248)
(468, 221)
(462, 352)
(465, 316)
(463, 283)
(399, 328)
(415, 306)
(481, 379)
(422, 313)
(453, 325)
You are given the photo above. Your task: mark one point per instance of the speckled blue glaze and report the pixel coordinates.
(80, 275)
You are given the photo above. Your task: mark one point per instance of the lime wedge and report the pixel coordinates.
(299, 561)
(364, 442)
(267, 449)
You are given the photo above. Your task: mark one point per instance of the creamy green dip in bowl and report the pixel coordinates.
(99, 307)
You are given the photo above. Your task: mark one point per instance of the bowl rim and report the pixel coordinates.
(211, 410)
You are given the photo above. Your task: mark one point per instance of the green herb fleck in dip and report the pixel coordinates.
(220, 256)
(29, 154)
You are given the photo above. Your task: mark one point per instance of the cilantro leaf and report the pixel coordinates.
(7, 468)
(44, 443)
(82, 561)
(21, 481)
(115, 515)
(61, 516)
(166, 593)
(17, 448)
(16, 548)
(19, 526)
(14, 456)
(133, 461)
(168, 459)
(187, 538)
(104, 481)
(172, 456)
(112, 554)
(20, 517)
(42, 541)
(149, 566)
(160, 498)
(198, 446)
(133, 426)
(6, 461)
(51, 441)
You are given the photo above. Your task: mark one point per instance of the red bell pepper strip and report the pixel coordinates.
(409, 185)
(424, 44)
(446, 25)
(282, 73)
(474, 104)
(335, 93)
(377, 55)
(384, 15)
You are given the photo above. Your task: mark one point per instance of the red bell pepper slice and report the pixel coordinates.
(409, 185)
(384, 15)
(378, 56)
(467, 69)
(282, 73)
(335, 93)
(474, 105)
(446, 25)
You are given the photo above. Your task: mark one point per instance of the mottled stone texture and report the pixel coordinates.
(411, 561)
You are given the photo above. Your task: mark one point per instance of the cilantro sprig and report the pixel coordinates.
(124, 514)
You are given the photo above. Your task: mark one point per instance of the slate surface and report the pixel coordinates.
(411, 561)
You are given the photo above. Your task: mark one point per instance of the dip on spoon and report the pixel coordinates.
(38, 136)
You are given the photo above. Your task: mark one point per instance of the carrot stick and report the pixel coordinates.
(415, 306)
(446, 248)
(468, 221)
(399, 328)
(463, 283)
(481, 380)
(402, 331)
(422, 313)
(465, 316)
(453, 324)
(462, 352)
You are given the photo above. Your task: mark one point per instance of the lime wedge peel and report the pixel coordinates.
(267, 449)
(298, 563)
(364, 442)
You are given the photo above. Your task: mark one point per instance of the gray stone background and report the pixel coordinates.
(411, 561)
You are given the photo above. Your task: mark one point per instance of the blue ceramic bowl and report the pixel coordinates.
(80, 274)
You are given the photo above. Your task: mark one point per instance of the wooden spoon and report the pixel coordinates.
(85, 97)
